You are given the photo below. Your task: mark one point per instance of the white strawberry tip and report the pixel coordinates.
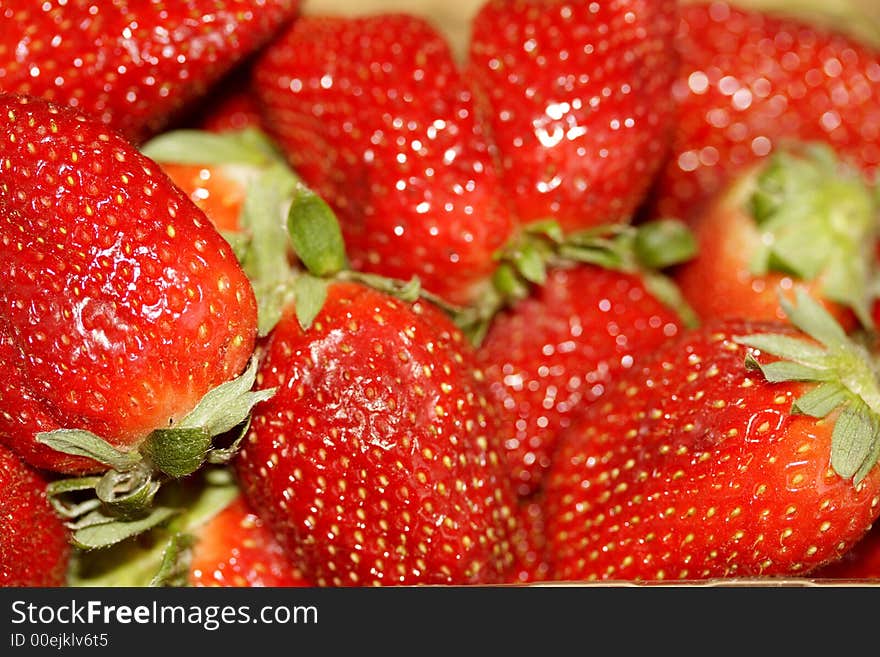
(845, 377)
(122, 497)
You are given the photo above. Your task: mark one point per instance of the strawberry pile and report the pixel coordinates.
(306, 300)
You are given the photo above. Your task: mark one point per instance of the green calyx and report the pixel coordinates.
(200, 147)
(105, 509)
(845, 376)
(817, 221)
(162, 553)
(643, 250)
(316, 238)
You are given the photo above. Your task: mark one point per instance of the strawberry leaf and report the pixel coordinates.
(784, 370)
(811, 317)
(160, 556)
(847, 379)
(821, 400)
(853, 440)
(227, 405)
(247, 146)
(663, 243)
(316, 234)
(174, 567)
(310, 293)
(265, 260)
(78, 442)
(177, 452)
(98, 530)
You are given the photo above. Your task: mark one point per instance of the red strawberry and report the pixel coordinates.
(695, 466)
(374, 115)
(134, 64)
(798, 218)
(33, 543)
(554, 352)
(123, 306)
(579, 102)
(376, 461)
(862, 562)
(234, 548)
(529, 545)
(747, 83)
(244, 186)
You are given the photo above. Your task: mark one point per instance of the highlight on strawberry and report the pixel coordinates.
(128, 326)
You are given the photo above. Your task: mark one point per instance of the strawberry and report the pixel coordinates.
(374, 115)
(578, 100)
(552, 353)
(720, 455)
(862, 562)
(376, 461)
(127, 320)
(750, 81)
(529, 544)
(796, 218)
(33, 542)
(243, 185)
(234, 548)
(136, 64)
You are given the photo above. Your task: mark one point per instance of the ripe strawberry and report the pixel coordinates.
(135, 64)
(374, 115)
(123, 306)
(578, 99)
(695, 466)
(244, 186)
(747, 83)
(554, 352)
(376, 461)
(33, 543)
(529, 545)
(797, 218)
(234, 548)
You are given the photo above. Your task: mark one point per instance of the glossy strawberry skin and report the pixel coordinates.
(693, 467)
(374, 115)
(33, 542)
(578, 100)
(122, 304)
(234, 548)
(134, 64)
(747, 83)
(554, 353)
(376, 463)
